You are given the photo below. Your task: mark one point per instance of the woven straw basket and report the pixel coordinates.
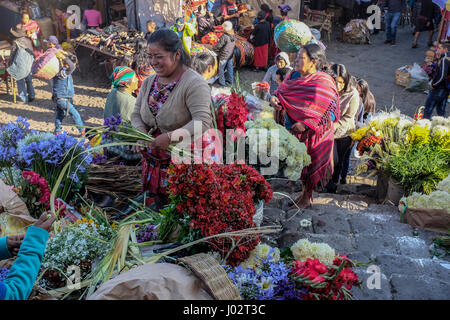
(217, 282)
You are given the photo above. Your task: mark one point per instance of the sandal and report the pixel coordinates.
(414, 45)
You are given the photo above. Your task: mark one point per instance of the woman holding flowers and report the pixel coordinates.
(311, 102)
(168, 104)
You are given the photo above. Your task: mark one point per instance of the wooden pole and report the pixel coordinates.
(441, 27)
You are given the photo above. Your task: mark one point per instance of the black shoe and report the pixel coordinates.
(387, 41)
(344, 181)
(30, 100)
(393, 43)
(331, 187)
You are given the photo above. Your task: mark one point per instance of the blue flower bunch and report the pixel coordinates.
(269, 281)
(10, 134)
(47, 154)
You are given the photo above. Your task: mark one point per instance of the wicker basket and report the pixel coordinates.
(217, 282)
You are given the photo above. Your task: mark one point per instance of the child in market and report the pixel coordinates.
(281, 61)
(29, 250)
(63, 92)
(225, 49)
(281, 74)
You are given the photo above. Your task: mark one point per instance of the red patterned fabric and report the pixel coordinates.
(311, 100)
(261, 56)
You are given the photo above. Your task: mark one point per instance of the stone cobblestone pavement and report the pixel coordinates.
(354, 225)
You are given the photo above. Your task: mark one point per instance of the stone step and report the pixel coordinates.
(419, 287)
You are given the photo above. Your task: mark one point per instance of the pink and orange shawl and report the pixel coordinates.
(311, 100)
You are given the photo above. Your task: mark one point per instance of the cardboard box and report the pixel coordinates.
(402, 77)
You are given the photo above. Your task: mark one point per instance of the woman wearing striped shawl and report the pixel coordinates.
(311, 101)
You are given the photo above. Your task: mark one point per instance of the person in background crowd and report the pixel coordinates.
(141, 63)
(311, 102)
(349, 102)
(185, 32)
(224, 50)
(273, 49)
(204, 63)
(362, 9)
(230, 12)
(367, 99)
(281, 74)
(424, 21)
(260, 40)
(281, 61)
(24, 86)
(29, 250)
(167, 103)
(439, 86)
(92, 18)
(151, 27)
(63, 92)
(268, 13)
(395, 9)
(367, 106)
(32, 29)
(205, 21)
(284, 10)
(120, 100)
(52, 42)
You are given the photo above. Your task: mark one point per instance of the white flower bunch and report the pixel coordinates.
(291, 151)
(85, 241)
(440, 121)
(444, 185)
(436, 200)
(261, 252)
(303, 249)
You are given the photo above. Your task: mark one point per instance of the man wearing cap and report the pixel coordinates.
(25, 85)
(224, 50)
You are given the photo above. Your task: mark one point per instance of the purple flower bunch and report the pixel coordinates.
(111, 123)
(147, 233)
(269, 281)
(3, 273)
(99, 158)
(10, 135)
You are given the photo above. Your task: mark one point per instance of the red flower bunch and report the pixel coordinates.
(326, 282)
(36, 180)
(235, 115)
(366, 142)
(218, 199)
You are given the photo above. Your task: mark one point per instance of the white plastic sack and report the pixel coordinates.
(417, 72)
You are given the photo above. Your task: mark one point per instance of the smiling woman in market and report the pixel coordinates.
(168, 103)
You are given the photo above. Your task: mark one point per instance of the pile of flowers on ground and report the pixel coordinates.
(219, 198)
(297, 275)
(413, 152)
(438, 199)
(292, 153)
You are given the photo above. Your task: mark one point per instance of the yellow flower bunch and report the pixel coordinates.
(89, 222)
(391, 122)
(418, 135)
(359, 134)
